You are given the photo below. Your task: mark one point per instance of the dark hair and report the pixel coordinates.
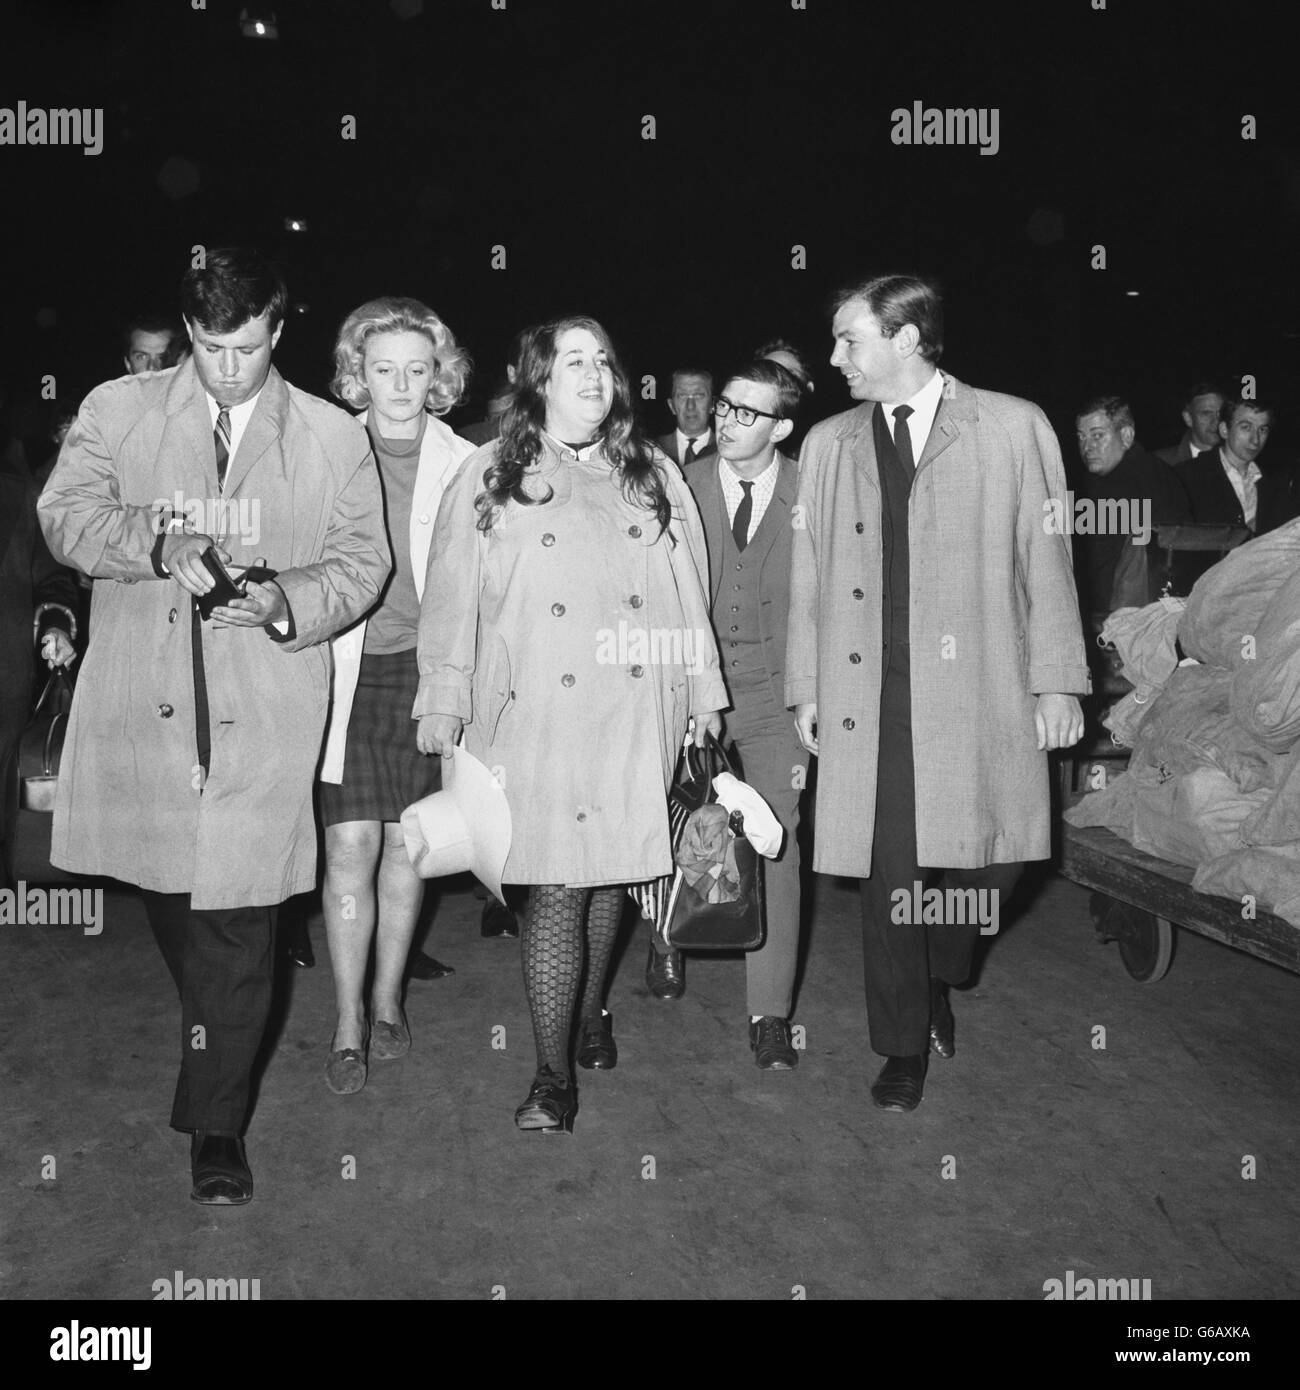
(1201, 388)
(520, 445)
(804, 374)
(151, 323)
(1231, 406)
(764, 372)
(236, 284)
(1115, 408)
(896, 300)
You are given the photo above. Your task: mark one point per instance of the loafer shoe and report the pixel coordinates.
(345, 1070)
(769, 1040)
(219, 1169)
(663, 974)
(597, 1050)
(942, 1028)
(389, 1040)
(900, 1083)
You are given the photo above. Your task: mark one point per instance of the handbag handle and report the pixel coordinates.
(712, 754)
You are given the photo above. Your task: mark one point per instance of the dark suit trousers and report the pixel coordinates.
(222, 964)
(900, 957)
(771, 759)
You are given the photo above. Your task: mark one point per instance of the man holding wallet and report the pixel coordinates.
(193, 740)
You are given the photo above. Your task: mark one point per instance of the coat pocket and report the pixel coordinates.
(492, 692)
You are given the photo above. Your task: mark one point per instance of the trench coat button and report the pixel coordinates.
(854, 658)
(634, 531)
(857, 526)
(166, 711)
(739, 567)
(566, 680)
(735, 629)
(582, 815)
(735, 608)
(424, 520)
(857, 593)
(557, 609)
(638, 670)
(548, 539)
(171, 617)
(636, 600)
(848, 724)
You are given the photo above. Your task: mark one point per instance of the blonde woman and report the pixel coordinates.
(397, 361)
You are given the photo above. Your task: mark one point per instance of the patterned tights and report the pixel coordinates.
(552, 942)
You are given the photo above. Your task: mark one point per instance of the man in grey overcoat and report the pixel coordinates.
(935, 652)
(192, 743)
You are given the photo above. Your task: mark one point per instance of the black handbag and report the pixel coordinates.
(33, 781)
(682, 915)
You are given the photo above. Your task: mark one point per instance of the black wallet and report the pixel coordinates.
(227, 588)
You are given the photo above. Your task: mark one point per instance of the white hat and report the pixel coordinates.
(464, 826)
(762, 829)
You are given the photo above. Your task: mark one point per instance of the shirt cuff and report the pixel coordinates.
(286, 630)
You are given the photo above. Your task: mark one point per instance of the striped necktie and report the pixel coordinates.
(221, 437)
(689, 456)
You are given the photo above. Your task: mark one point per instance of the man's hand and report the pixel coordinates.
(439, 733)
(1059, 721)
(805, 726)
(57, 648)
(182, 557)
(701, 725)
(261, 604)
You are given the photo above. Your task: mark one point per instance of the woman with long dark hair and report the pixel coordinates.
(565, 628)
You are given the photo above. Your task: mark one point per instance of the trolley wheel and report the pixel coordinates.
(1146, 942)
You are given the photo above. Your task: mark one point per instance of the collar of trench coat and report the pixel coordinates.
(957, 407)
(187, 398)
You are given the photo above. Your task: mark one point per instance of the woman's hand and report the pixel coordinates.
(439, 733)
(702, 725)
(57, 648)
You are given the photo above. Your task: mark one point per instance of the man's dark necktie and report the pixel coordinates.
(740, 522)
(903, 437)
(221, 437)
(689, 456)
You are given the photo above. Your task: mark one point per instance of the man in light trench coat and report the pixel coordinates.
(935, 651)
(192, 744)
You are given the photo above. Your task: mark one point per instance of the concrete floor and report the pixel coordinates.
(1122, 1163)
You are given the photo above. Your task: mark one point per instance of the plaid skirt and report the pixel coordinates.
(383, 770)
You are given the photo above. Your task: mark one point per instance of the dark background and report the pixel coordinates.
(522, 127)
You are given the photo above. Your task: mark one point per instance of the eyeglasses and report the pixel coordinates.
(745, 414)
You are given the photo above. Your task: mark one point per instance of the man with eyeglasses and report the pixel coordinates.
(691, 404)
(745, 496)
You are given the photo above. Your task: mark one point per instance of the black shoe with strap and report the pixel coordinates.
(551, 1104)
(769, 1040)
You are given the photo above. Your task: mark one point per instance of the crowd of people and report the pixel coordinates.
(880, 590)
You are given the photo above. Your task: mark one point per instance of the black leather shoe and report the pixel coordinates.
(551, 1105)
(220, 1170)
(769, 1040)
(942, 1035)
(900, 1083)
(422, 967)
(497, 920)
(663, 974)
(597, 1050)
